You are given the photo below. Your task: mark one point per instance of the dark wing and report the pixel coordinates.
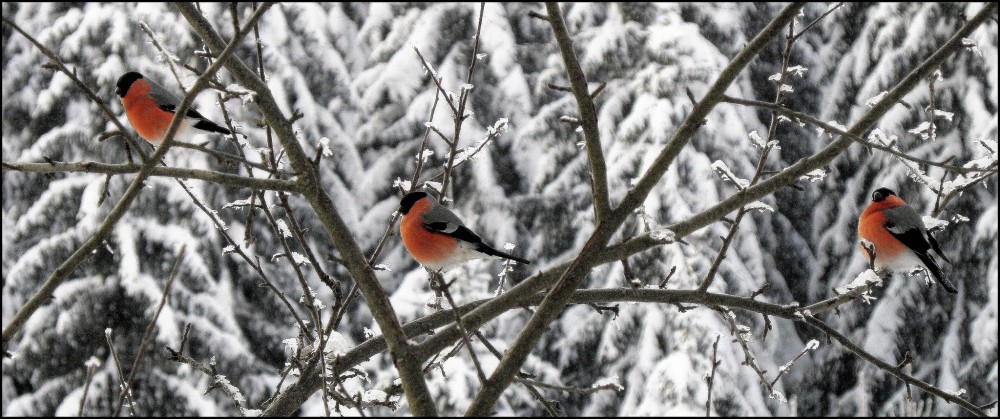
(912, 238)
(457, 231)
(440, 220)
(906, 226)
(191, 113)
(168, 101)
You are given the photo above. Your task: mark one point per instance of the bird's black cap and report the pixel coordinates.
(881, 194)
(411, 198)
(125, 81)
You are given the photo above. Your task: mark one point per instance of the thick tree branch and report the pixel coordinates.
(588, 112)
(410, 372)
(571, 278)
(163, 171)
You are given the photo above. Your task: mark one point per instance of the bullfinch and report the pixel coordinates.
(435, 236)
(150, 108)
(899, 237)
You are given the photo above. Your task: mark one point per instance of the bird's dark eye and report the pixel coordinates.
(877, 196)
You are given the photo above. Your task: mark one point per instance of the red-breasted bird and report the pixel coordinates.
(900, 239)
(150, 108)
(436, 237)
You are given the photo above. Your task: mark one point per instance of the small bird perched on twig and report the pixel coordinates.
(437, 238)
(150, 108)
(896, 234)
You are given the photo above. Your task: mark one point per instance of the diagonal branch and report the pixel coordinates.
(417, 393)
(588, 112)
(891, 369)
(830, 128)
(569, 281)
(59, 65)
(70, 264)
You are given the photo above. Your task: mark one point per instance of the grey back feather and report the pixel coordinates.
(439, 214)
(904, 218)
(161, 95)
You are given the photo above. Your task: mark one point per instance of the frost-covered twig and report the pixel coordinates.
(846, 134)
(459, 115)
(815, 21)
(307, 292)
(165, 55)
(236, 248)
(148, 336)
(811, 345)
(91, 365)
(710, 378)
(949, 396)
(764, 148)
(610, 386)
(963, 186)
(437, 81)
(218, 381)
(859, 287)
(417, 393)
(740, 334)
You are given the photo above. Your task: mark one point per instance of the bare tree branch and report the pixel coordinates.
(588, 113)
(571, 278)
(418, 395)
(162, 171)
(68, 266)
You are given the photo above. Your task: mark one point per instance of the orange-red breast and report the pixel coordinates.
(436, 237)
(150, 108)
(900, 239)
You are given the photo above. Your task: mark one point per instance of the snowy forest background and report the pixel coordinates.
(364, 97)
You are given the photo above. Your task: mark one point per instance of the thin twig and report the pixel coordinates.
(738, 333)
(830, 128)
(458, 320)
(710, 378)
(148, 336)
(459, 116)
(815, 21)
(118, 370)
(588, 112)
(948, 396)
(92, 365)
(227, 179)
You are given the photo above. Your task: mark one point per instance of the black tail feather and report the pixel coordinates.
(936, 273)
(934, 245)
(206, 125)
(494, 252)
